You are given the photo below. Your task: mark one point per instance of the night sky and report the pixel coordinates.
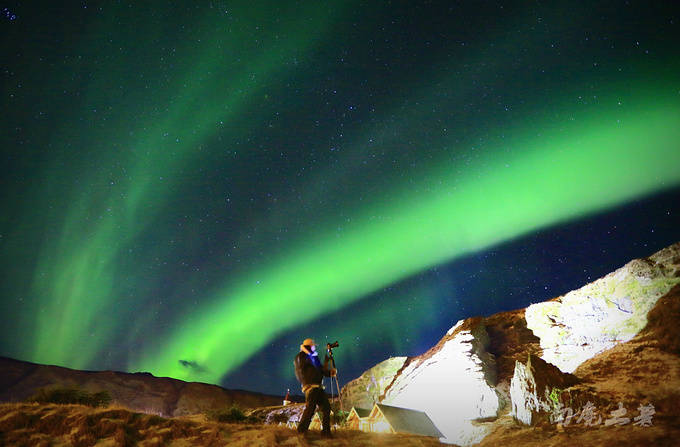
(193, 188)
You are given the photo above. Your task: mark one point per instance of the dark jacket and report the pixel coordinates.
(308, 374)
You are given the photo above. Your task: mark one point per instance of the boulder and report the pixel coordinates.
(536, 388)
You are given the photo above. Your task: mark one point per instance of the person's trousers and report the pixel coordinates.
(314, 397)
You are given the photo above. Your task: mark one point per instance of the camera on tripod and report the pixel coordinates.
(329, 348)
(334, 375)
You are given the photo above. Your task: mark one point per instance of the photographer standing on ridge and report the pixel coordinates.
(310, 373)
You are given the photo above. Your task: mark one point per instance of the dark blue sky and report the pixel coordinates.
(192, 189)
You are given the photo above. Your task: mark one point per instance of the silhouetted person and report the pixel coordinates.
(310, 373)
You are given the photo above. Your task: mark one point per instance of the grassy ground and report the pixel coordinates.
(33, 424)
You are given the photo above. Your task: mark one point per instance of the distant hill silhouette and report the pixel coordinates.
(137, 391)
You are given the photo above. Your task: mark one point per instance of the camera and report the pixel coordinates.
(332, 345)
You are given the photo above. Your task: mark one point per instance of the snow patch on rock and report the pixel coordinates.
(454, 327)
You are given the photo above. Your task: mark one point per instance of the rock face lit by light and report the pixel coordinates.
(454, 387)
(522, 402)
(535, 390)
(611, 310)
(366, 390)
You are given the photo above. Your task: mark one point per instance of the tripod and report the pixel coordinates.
(337, 383)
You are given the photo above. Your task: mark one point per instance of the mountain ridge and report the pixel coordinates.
(139, 391)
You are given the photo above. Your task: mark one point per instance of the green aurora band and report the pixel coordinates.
(562, 174)
(86, 285)
(78, 272)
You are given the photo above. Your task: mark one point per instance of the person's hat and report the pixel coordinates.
(308, 342)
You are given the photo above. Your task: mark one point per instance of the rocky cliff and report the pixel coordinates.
(608, 348)
(577, 326)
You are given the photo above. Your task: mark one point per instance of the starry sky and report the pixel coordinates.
(193, 188)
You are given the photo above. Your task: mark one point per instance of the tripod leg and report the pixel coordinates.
(337, 383)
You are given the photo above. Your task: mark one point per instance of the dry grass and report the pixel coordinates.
(53, 424)
(34, 424)
(508, 433)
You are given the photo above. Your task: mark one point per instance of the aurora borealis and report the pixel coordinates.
(192, 190)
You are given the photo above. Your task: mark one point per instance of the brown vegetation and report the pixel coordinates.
(34, 424)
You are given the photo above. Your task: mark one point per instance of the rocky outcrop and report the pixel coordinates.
(643, 372)
(535, 388)
(510, 341)
(453, 383)
(577, 326)
(280, 414)
(137, 391)
(491, 345)
(365, 390)
(618, 336)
